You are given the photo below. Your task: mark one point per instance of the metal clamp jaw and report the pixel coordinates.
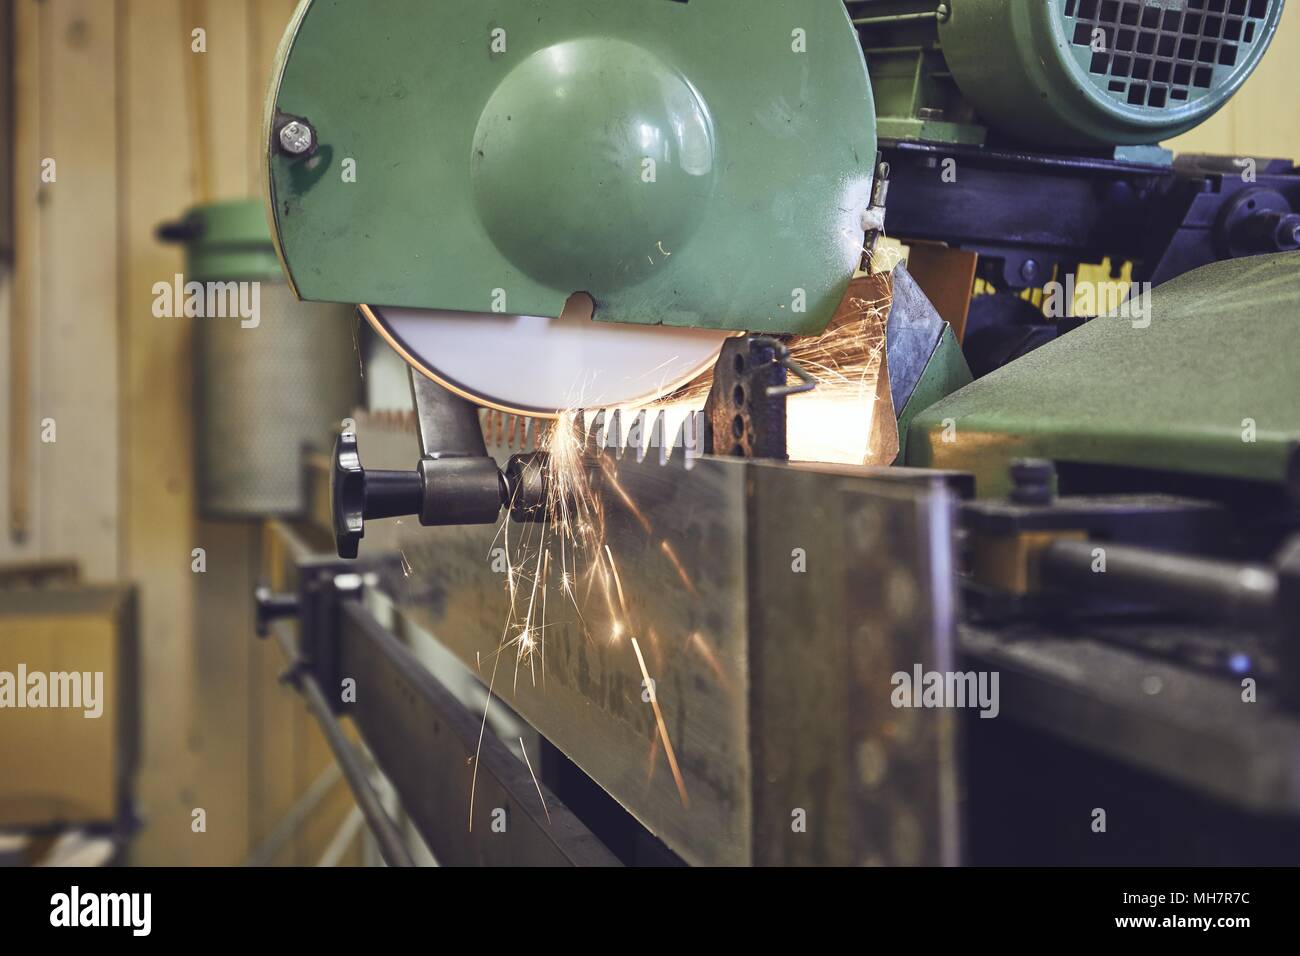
(440, 491)
(455, 483)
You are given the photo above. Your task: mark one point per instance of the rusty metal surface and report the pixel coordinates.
(771, 605)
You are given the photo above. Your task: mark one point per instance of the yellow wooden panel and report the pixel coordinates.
(57, 764)
(78, 316)
(1216, 135)
(158, 498)
(25, 297)
(1267, 112)
(108, 90)
(224, 644)
(228, 136)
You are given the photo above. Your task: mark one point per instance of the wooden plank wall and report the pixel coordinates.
(141, 128)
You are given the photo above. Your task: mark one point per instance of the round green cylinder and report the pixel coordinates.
(1027, 73)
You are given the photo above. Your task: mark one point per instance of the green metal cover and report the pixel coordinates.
(1104, 72)
(231, 240)
(501, 149)
(1218, 365)
(944, 374)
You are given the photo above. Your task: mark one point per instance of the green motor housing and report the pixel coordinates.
(1058, 73)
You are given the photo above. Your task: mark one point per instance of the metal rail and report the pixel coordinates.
(387, 836)
(1244, 594)
(428, 743)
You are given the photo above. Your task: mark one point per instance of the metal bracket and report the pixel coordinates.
(455, 482)
(745, 411)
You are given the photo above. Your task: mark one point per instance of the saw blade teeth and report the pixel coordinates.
(672, 434)
(688, 445)
(580, 423)
(615, 436)
(636, 435)
(595, 437)
(658, 438)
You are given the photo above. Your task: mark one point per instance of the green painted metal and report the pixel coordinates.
(230, 240)
(945, 373)
(1219, 359)
(914, 92)
(1031, 69)
(501, 154)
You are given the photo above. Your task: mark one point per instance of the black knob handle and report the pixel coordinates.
(269, 606)
(182, 230)
(357, 494)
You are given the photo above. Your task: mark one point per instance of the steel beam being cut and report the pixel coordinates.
(720, 660)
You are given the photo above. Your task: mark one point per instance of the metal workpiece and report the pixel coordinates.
(759, 610)
(429, 745)
(823, 648)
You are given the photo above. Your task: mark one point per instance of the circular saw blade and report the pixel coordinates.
(533, 365)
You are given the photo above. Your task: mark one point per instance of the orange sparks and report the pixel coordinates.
(529, 765)
(668, 551)
(663, 729)
(702, 648)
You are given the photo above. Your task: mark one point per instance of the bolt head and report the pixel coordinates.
(1033, 481)
(296, 137)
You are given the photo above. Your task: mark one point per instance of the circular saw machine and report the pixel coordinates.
(554, 205)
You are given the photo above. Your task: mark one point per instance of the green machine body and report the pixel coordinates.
(1199, 379)
(704, 164)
